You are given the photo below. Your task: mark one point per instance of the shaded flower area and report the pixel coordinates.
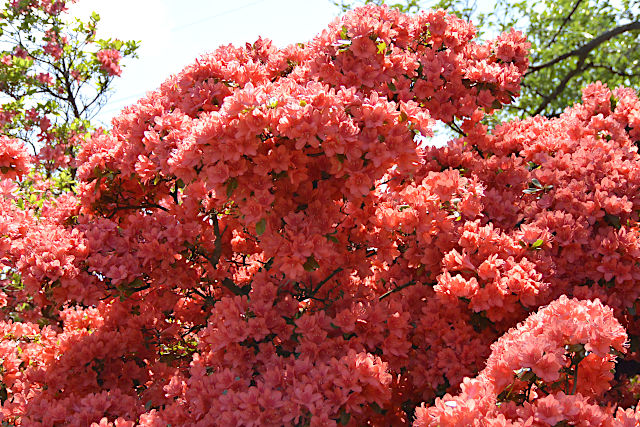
(264, 241)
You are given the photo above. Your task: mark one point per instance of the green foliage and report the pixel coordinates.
(598, 39)
(260, 227)
(51, 81)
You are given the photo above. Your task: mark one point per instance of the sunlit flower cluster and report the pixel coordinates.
(109, 61)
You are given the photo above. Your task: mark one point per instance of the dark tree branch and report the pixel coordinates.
(67, 84)
(558, 90)
(582, 53)
(397, 289)
(141, 206)
(214, 259)
(88, 104)
(217, 251)
(531, 88)
(612, 70)
(575, 7)
(584, 50)
(56, 95)
(235, 289)
(454, 127)
(322, 282)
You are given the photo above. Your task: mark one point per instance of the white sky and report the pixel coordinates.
(173, 33)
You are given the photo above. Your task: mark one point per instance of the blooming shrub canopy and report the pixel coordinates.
(264, 240)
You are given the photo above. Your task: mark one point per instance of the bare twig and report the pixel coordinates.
(214, 258)
(397, 289)
(612, 70)
(333, 273)
(575, 7)
(454, 127)
(547, 99)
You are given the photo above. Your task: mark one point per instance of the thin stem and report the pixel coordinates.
(575, 7)
(397, 289)
(586, 48)
(333, 273)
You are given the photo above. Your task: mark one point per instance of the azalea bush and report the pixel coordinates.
(269, 239)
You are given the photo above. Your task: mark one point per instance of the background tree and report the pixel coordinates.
(55, 75)
(574, 43)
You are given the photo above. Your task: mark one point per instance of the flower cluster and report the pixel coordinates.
(544, 371)
(54, 45)
(109, 61)
(15, 160)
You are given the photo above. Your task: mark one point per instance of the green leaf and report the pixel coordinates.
(525, 374)
(232, 184)
(613, 220)
(131, 288)
(344, 417)
(537, 244)
(531, 190)
(532, 165)
(331, 238)
(615, 352)
(574, 348)
(344, 33)
(343, 45)
(382, 47)
(311, 264)
(260, 227)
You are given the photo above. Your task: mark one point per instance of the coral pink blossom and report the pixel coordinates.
(109, 61)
